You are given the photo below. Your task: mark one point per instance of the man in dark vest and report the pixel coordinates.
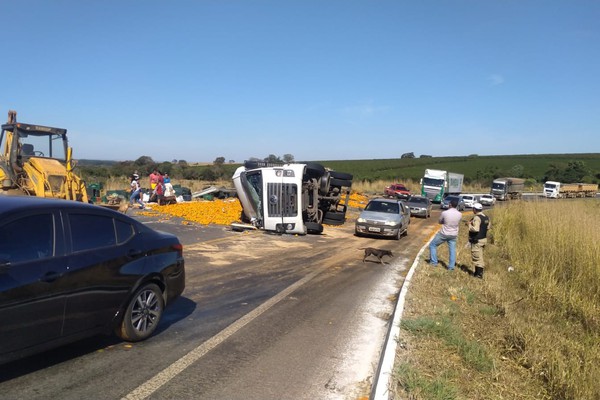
(478, 228)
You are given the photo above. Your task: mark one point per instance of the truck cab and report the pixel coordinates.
(552, 189)
(291, 198)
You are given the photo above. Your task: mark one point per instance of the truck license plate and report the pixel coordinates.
(371, 229)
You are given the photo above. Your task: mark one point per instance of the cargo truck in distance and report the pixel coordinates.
(291, 198)
(508, 188)
(437, 184)
(557, 190)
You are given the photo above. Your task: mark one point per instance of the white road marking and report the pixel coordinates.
(160, 379)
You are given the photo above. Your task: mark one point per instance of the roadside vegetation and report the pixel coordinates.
(479, 171)
(529, 330)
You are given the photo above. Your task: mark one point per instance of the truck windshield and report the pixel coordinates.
(253, 186)
(497, 185)
(433, 182)
(549, 185)
(42, 144)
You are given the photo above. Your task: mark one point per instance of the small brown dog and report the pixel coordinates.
(124, 206)
(379, 253)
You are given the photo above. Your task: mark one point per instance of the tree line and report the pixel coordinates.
(93, 171)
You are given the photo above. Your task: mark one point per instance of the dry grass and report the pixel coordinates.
(377, 187)
(536, 328)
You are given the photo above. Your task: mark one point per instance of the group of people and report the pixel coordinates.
(160, 184)
(478, 226)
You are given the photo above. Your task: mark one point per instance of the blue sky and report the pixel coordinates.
(321, 80)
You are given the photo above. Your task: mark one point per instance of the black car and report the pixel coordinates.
(70, 270)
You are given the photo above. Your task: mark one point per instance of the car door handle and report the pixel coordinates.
(51, 276)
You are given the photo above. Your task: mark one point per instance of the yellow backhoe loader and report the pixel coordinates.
(36, 161)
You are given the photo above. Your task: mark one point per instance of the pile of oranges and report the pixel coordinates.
(218, 212)
(223, 212)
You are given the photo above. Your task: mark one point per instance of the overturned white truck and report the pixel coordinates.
(291, 198)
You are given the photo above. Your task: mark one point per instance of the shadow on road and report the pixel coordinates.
(180, 309)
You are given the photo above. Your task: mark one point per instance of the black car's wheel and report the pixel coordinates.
(143, 314)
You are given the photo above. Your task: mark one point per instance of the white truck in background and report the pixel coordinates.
(558, 190)
(291, 198)
(437, 184)
(508, 188)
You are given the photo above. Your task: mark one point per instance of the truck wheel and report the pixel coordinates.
(251, 164)
(142, 315)
(324, 184)
(315, 170)
(340, 182)
(314, 228)
(334, 218)
(341, 175)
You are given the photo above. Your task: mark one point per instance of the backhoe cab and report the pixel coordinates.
(36, 161)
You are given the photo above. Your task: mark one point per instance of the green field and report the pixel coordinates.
(475, 168)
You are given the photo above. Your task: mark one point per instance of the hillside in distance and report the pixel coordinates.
(474, 167)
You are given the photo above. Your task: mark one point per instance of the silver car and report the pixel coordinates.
(419, 206)
(384, 217)
(487, 200)
(460, 204)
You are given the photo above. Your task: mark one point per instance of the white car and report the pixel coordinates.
(487, 200)
(469, 200)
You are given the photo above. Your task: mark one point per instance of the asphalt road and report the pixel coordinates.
(263, 316)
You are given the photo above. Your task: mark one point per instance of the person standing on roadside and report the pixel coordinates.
(450, 219)
(154, 179)
(478, 228)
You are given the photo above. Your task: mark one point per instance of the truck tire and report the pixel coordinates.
(315, 170)
(324, 184)
(340, 182)
(341, 175)
(251, 164)
(313, 228)
(334, 218)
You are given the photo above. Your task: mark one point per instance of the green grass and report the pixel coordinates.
(473, 354)
(433, 388)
